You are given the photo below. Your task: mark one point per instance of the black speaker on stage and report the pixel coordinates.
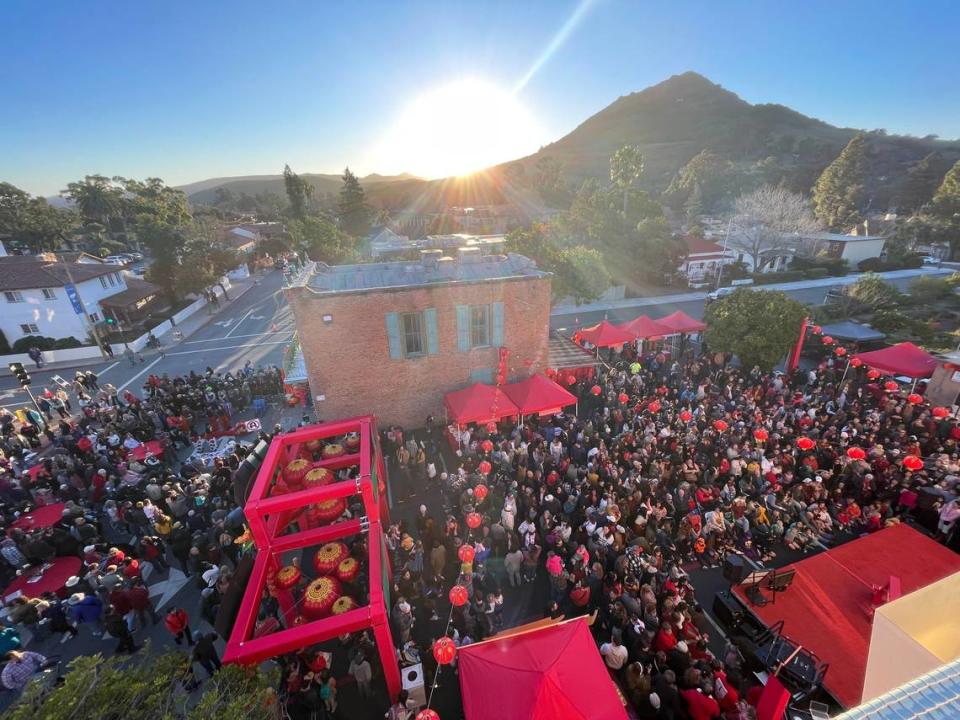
(734, 569)
(727, 609)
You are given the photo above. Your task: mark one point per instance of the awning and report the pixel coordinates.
(852, 331)
(138, 293)
(682, 323)
(479, 403)
(903, 359)
(538, 394)
(645, 328)
(606, 334)
(564, 353)
(542, 674)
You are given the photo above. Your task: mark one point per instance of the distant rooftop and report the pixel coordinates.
(469, 266)
(838, 237)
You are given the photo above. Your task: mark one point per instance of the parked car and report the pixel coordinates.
(116, 260)
(930, 260)
(720, 293)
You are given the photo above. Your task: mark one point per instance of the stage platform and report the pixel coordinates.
(828, 609)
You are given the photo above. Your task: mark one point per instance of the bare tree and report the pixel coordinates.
(767, 221)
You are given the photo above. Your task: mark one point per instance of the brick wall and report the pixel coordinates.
(348, 360)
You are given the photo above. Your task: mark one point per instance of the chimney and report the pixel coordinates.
(468, 255)
(430, 258)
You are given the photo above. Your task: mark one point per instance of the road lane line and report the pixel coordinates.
(237, 324)
(230, 347)
(237, 337)
(124, 386)
(108, 368)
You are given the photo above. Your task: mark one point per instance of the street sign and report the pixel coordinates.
(74, 299)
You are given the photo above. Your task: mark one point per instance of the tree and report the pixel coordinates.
(946, 201)
(352, 209)
(298, 192)
(320, 239)
(923, 177)
(580, 274)
(839, 194)
(873, 292)
(764, 221)
(758, 326)
(548, 182)
(166, 243)
(708, 170)
(98, 198)
(113, 689)
(203, 260)
(32, 222)
(626, 166)
(693, 207)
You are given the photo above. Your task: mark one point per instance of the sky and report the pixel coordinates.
(187, 90)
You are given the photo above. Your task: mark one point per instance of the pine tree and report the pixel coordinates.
(352, 209)
(923, 177)
(298, 192)
(946, 201)
(693, 207)
(838, 194)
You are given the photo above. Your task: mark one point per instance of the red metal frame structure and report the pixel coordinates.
(269, 516)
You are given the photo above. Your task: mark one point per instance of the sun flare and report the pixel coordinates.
(458, 129)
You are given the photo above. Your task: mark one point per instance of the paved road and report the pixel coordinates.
(237, 333)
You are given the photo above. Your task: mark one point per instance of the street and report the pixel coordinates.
(228, 339)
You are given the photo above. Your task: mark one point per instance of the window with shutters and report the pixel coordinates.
(49, 294)
(14, 296)
(479, 326)
(29, 329)
(411, 327)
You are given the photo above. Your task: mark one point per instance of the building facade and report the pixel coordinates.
(393, 338)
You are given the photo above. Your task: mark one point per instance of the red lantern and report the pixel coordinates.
(480, 491)
(444, 651)
(491, 427)
(891, 386)
(287, 577)
(720, 425)
(294, 471)
(484, 467)
(873, 374)
(817, 329)
(571, 380)
(596, 390)
(333, 450)
(840, 351)
(474, 520)
(343, 604)
(760, 435)
(623, 398)
(654, 406)
(326, 559)
(912, 462)
(316, 477)
(686, 415)
(486, 445)
(458, 593)
(427, 714)
(827, 340)
(856, 453)
(466, 553)
(856, 362)
(326, 511)
(940, 412)
(347, 570)
(914, 399)
(319, 597)
(805, 443)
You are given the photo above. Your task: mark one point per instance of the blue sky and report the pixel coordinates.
(190, 90)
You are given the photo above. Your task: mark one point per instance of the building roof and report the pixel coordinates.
(137, 289)
(699, 246)
(244, 233)
(934, 696)
(468, 267)
(851, 330)
(25, 272)
(839, 237)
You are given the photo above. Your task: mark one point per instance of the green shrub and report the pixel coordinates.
(926, 290)
(23, 344)
(816, 273)
(831, 266)
(779, 277)
(67, 343)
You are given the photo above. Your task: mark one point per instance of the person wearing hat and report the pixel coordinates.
(85, 608)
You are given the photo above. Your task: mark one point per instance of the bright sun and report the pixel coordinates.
(457, 129)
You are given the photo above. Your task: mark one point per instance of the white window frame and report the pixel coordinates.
(488, 330)
(103, 281)
(404, 335)
(13, 296)
(94, 318)
(31, 328)
(48, 293)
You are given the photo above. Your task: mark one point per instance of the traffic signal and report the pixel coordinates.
(110, 320)
(20, 373)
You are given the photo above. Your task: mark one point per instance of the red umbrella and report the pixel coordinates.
(805, 443)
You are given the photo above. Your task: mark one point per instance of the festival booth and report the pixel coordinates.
(567, 359)
(539, 395)
(605, 334)
(538, 672)
(679, 323)
(645, 328)
(315, 514)
(478, 403)
(902, 359)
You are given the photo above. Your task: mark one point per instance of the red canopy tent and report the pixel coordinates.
(646, 328)
(479, 403)
(680, 322)
(903, 359)
(552, 673)
(538, 394)
(606, 334)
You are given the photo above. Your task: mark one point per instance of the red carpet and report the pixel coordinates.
(827, 608)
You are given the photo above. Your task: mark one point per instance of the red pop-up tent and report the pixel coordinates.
(479, 403)
(645, 328)
(903, 359)
(552, 673)
(606, 334)
(538, 394)
(680, 322)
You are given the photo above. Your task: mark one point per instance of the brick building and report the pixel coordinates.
(393, 338)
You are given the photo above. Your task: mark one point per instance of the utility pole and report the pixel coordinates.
(86, 316)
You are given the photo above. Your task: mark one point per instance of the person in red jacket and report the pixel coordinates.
(120, 600)
(142, 604)
(178, 623)
(665, 639)
(700, 703)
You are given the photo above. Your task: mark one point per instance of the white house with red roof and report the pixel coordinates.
(704, 259)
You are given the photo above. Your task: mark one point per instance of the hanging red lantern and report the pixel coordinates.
(914, 399)
(623, 398)
(840, 351)
(805, 443)
(856, 453)
(891, 386)
(912, 462)
(287, 577)
(550, 373)
(427, 714)
(294, 471)
(940, 412)
(827, 340)
(491, 427)
(466, 553)
(458, 593)
(326, 559)
(686, 415)
(486, 445)
(720, 425)
(596, 390)
(474, 520)
(480, 491)
(761, 435)
(485, 467)
(333, 450)
(654, 406)
(444, 651)
(571, 380)
(855, 362)
(817, 329)
(873, 374)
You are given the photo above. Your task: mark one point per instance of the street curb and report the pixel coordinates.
(211, 318)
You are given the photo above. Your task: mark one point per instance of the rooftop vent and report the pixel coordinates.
(469, 255)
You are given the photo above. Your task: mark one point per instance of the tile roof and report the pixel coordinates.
(25, 272)
(698, 246)
(934, 696)
(137, 289)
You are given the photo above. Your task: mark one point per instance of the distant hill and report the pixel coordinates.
(204, 191)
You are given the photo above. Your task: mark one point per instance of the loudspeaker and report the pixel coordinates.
(231, 599)
(734, 569)
(727, 609)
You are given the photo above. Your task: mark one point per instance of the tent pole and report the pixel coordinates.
(845, 371)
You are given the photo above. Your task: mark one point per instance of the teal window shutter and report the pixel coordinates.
(497, 323)
(393, 335)
(483, 375)
(430, 320)
(463, 328)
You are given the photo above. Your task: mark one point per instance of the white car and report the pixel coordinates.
(720, 293)
(930, 260)
(115, 260)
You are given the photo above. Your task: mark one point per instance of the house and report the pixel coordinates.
(385, 243)
(242, 240)
(393, 337)
(704, 259)
(35, 299)
(852, 248)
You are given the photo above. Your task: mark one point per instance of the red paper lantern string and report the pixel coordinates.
(427, 714)
(571, 380)
(654, 406)
(720, 425)
(484, 467)
(840, 351)
(466, 553)
(596, 390)
(855, 362)
(805, 443)
(480, 491)
(940, 412)
(856, 453)
(817, 330)
(827, 340)
(891, 386)
(914, 399)
(912, 462)
(873, 374)
(761, 435)
(491, 427)
(458, 594)
(444, 650)
(486, 445)
(686, 415)
(623, 398)
(474, 520)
